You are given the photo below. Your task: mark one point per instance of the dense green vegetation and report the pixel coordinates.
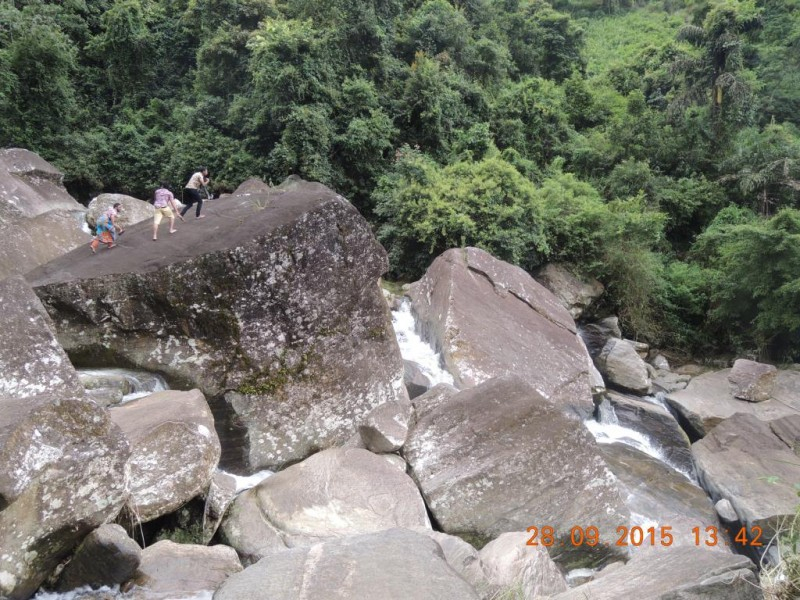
(653, 145)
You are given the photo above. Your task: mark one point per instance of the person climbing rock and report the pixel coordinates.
(106, 228)
(191, 193)
(164, 203)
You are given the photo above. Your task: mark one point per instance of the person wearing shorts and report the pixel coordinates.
(164, 203)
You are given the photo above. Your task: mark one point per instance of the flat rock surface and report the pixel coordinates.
(708, 400)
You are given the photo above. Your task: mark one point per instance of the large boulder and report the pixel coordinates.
(39, 220)
(277, 309)
(63, 476)
(622, 367)
(490, 318)
(500, 457)
(751, 380)
(38, 365)
(675, 573)
(174, 450)
(392, 565)
(743, 461)
(133, 209)
(336, 492)
(574, 293)
(171, 571)
(106, 557)
(708, 400)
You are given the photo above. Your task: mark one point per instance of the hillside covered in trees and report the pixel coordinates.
(654, 146)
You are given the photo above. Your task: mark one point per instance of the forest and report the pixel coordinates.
(652, 145)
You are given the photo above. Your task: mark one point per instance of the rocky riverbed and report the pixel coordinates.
(505, 452)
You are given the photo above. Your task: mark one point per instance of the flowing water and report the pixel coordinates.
(142, 383)
(415, 349)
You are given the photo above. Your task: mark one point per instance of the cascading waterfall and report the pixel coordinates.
(414, 348)
(142, 383)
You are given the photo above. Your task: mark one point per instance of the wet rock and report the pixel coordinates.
(392, 565)
(273, 312)
(107, 557)
(38, 366)
(675, 572)
(171, 571)
(479, 453)
(575, 294)
(174, 450)
(491, 318)
(752, 381)
(416, 382)
(62, 477)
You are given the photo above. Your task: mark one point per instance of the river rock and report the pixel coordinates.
(596, 335)
(623, 367)
(39, 220)
(276, 309)
(575, 294)
(415, 380)
(392, 565)
(174, 450)
(39, 365)
(171, 571)
(659, 496)
(660, 362)
(752, 381)
(675, 573)
(246, 528)
(220, 495)
(133, 209)
(385, 428)
(491, 318)
(726, 511)
(336, 492)
(708, 400)
(479, 454)
(431, 399)
(527, 571)
(106, 557)
(62, 477)
(463, 558)
(788, 430)
(658, 425)
(743, 461)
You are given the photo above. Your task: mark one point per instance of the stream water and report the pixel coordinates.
(415, 349)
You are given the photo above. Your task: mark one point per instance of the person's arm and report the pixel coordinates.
(175, 207)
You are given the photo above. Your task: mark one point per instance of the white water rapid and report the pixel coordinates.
(415, 349)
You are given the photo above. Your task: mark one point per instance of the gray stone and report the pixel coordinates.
(277, 310)
(220, 495)
(62, 477)
(39, 365)
(576, 295)
(668, 382)
(336, 492)
(741, 460)
(385, 428)
(675, 573)
(622, 367)
(510, 564)
(171, 571)
(174, 450)
(133, 210)
(656, 493)
(479, 454)
(31, 185)
(431, 399)
(392, 565)
(660, 362)
(707, 400)
(463, 558)
(106, 557)
(416, 382)
(726, 511)
(752, 381)
(491, 318)
(596, 335)
(788, 430)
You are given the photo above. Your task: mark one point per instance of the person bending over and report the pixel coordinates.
(191, 192)
(164, 203)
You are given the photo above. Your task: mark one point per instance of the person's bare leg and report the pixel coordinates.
(155, 230)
